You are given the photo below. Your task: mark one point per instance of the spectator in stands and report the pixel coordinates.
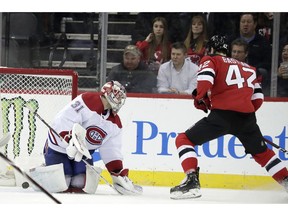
(239, 49)
(179, 75)
(156, 47)
(175, 22)
(196, 39)
(133, 73)
(282, 90)
(260, 51)
(265, 25)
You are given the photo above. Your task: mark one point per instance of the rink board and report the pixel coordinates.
(150, 126)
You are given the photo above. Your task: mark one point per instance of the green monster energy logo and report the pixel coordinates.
(18, 104)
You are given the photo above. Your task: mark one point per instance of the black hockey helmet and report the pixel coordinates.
(219, 43)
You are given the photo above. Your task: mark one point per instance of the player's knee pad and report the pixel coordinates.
(51, 178)
(182, 139)
(92, 179)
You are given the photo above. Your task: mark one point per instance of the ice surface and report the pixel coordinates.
(107, 201)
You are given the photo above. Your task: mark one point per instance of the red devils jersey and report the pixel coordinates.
(195, 56)
(232, 83)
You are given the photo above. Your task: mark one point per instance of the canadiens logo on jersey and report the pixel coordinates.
(95, 135)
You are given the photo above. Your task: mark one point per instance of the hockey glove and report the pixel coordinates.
(73, 152)
(203, 103)
(124, 185)
(77, 146)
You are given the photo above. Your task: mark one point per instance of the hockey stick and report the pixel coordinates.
(26, 175)
(63, 140)
(108, 183)
(274, 145)
(5, 139)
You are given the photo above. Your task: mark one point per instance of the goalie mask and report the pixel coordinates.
(115, 94)
(218, 43)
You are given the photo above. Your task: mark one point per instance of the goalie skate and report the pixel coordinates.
(135, 190)
(190, 188)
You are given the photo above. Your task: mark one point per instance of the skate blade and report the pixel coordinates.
(191, 194)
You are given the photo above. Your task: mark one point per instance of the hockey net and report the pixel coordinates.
(44, 90)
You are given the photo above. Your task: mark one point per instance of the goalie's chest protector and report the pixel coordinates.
(100, 128)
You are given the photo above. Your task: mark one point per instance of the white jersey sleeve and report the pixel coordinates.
(111, 150)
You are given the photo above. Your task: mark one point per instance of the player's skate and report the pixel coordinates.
(190, 188)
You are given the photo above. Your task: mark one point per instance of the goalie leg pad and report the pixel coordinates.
(51, 178)
(92, 179)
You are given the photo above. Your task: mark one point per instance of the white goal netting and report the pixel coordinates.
(46, 91)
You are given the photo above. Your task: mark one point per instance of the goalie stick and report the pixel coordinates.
(63, 140)
(4, 141)
(108, 183)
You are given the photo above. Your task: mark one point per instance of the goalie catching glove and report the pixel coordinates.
(124, 185)
(203, 103)
(77, 145)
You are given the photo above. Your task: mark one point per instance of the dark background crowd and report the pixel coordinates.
(73, 41)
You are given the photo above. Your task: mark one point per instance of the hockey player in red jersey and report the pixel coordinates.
(102, 128)
(229, 88)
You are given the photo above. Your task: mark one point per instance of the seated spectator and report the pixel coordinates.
(179, 75)
(239, 51)
(133, 73)
(156, 47)
(196, 39)
(175, 23)
(282, 87)
(260, 51)
(265, 25)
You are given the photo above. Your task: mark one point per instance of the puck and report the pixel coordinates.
(25, 185)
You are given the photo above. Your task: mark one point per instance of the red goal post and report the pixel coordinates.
(46, 91)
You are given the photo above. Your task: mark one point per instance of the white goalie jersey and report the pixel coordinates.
(103, 130)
